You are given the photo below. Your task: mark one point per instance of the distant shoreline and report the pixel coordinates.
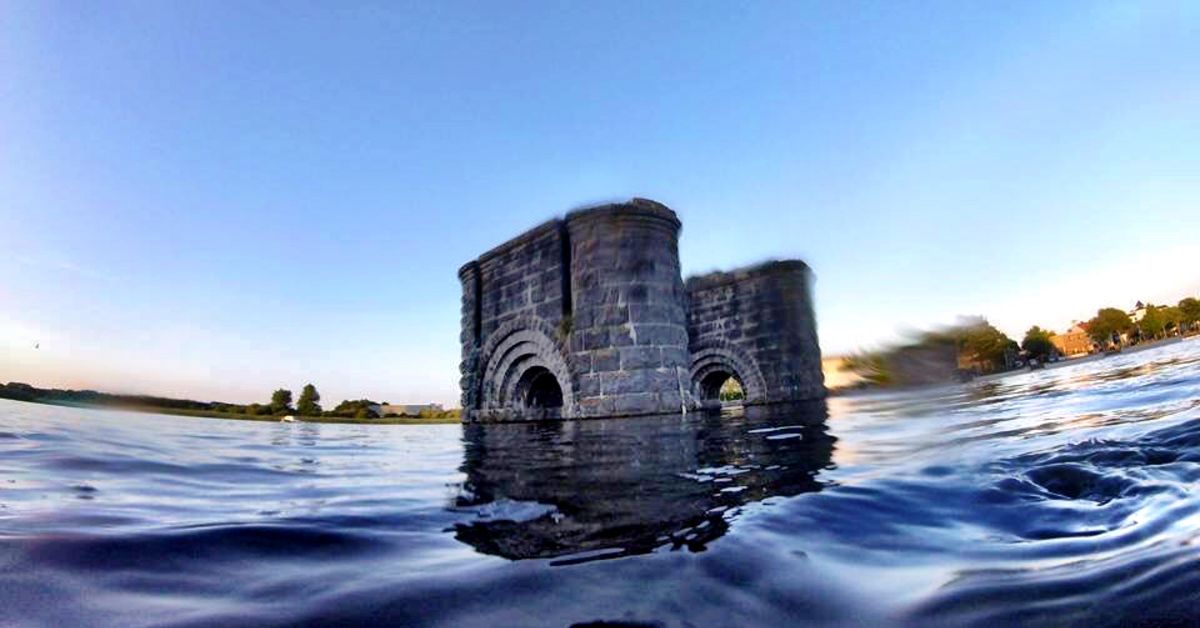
(1049, 366)
(854, 390)
(213, 414)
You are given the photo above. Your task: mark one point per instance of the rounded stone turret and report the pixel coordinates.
(469, 336)
(629, 335)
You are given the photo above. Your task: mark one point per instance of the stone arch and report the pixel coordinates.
(518, 347)
(713, 357)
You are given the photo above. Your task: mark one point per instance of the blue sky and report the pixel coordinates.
(213, 200)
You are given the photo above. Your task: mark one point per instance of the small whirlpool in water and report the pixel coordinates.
(1058, 497)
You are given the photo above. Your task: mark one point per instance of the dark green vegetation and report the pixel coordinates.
(1037, 343)
(1108, 321)
(1111, 326)
(972, 347)
(309, 404)
(1159, 321)
(1189, 310)
(358, 409)
(281, 404)
(984, 348)
(731, 390)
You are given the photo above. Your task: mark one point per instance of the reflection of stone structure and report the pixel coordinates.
(588, 490)
(588, 316)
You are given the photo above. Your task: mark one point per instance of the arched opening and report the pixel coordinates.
(732, 392)
(714, 364)
(524, 374)
(544, 391)
(721, 387)
(539, 392)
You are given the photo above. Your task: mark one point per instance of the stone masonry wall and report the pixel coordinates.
(757, 322)
(524, 277)
(594, 304)
(518, 285)
(629, 327)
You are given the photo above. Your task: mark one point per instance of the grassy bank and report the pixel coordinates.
(213, 414)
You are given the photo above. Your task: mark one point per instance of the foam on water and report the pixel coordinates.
(1064, 496)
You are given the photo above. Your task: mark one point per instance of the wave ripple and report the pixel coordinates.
(1059, 497)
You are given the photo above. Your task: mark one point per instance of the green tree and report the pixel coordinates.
(309, 405)
(1037, 343)
(257, 409)
(1106, 322)
(281, 401)
(1173, 317)
(1189, 310)
(361, 408)
(984, 345)
(1153, 322)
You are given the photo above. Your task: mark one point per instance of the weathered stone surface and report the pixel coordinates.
(590, 312)
(640, 357)
(603, 360)
(757, 324)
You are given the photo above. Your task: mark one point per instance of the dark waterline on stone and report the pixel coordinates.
(1055, 497)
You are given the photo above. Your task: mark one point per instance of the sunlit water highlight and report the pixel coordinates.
(1056, 497)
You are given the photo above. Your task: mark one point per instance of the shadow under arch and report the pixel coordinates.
(588, 490)
(525, 372)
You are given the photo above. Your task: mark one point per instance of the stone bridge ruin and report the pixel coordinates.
(587, 316)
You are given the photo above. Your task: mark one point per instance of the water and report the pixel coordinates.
(1057, 497)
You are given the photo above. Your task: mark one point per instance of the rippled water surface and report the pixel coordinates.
(1065, 496)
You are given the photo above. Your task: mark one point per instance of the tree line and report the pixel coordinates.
(309, 405)
(1157, 322)
(971, 345)
(976, 346)
(1110, 325)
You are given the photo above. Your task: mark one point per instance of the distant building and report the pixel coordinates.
(1075, 341)
(1138, 312)
(409, 409)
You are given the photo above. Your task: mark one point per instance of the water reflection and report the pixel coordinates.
(587, 490)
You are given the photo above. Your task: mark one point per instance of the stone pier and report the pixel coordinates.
(588, 316)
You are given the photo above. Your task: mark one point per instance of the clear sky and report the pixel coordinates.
(213, 200)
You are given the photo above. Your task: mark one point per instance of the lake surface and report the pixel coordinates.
(1056, 497)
